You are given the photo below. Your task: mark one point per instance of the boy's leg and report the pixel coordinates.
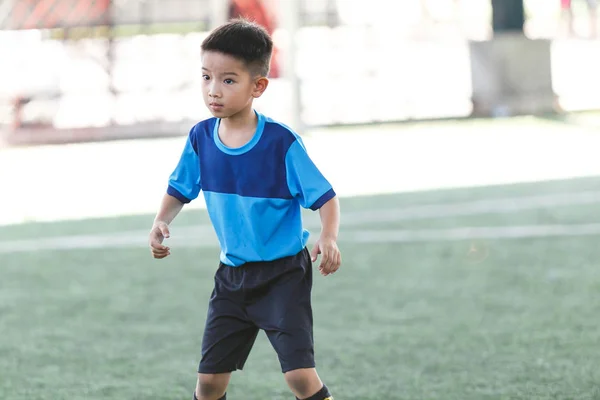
(282, 308)
(306, 384)
(228, 335)
(212, 386)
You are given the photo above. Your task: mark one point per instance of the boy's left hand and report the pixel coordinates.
(331, 259)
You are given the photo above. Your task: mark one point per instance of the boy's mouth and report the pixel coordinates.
(216, 106)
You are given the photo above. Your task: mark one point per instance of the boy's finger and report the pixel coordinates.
(160, 252)
(332, 260)
(158, 246)
(315, 252)
(323, 258)
(322, 266)
(326, 261)
(337, 262)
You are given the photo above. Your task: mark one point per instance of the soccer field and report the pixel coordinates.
(482, 293)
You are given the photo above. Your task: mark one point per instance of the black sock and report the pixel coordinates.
(222, 398)
(322, 394)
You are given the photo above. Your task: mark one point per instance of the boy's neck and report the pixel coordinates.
(240, 122)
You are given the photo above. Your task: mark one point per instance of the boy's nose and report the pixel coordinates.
(213, 91)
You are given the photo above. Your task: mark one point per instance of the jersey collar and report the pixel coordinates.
(245, 148)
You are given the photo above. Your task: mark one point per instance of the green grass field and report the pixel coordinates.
(407, 317)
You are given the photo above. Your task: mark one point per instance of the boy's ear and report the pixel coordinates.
(260, 85)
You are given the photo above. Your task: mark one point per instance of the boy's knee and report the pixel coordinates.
(304, 382)
(211, 386)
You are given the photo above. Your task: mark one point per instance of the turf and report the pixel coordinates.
(399, 321)
(356, 204)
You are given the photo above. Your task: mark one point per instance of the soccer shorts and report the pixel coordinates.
(274, 296)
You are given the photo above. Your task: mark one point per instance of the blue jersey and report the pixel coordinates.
(253, 193)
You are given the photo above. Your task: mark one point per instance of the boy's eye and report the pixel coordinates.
(228, 81)
(205, 77)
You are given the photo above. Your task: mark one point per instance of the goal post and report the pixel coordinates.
(219, 10)
(289, 20)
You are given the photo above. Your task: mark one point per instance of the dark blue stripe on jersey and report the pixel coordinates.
(171, 191)
(195, 134)
(260, 172)
(330, 194)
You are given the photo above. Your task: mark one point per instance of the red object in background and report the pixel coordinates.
(254, 10)
(565, 4)
(48, 14)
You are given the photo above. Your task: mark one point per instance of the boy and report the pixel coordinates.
(255, 174)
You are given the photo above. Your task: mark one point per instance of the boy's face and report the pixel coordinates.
(228, 86)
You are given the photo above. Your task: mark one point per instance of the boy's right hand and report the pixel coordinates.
(159, 232)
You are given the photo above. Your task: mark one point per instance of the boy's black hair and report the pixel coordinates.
(244, 40)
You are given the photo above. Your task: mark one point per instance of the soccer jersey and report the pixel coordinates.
(253, 193)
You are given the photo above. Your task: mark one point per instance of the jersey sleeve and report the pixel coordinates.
(304, 179)
(184, 182)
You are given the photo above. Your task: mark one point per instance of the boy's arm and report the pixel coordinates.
(326, 245)
(169, 208)
(330, 219)
(184, 186)
(309, 186)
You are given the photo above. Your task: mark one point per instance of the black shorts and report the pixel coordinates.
(274, 296)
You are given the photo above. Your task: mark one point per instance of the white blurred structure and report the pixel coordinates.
(345, 62)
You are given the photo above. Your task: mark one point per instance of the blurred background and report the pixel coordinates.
(129, 68)
(460, 135)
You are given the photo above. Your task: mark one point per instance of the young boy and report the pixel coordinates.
(255, 175)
